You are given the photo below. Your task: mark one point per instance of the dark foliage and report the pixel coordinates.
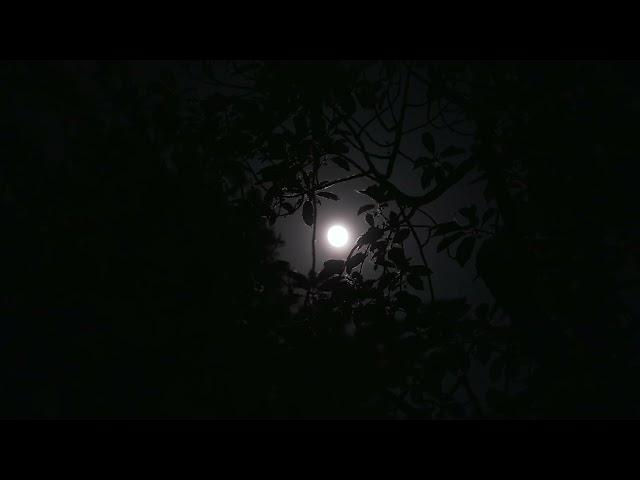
(140, 275)
(132, 267)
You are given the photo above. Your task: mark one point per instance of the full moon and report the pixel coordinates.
(337, 236)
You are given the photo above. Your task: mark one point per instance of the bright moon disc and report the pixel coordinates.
(337, 236)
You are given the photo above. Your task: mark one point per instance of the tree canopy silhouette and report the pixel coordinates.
(142, 275)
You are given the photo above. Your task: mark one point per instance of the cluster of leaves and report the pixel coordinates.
(516, 353)
(306, 138)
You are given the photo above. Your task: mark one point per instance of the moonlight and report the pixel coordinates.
(337, 236)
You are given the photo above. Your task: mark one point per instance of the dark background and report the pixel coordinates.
(134, 285)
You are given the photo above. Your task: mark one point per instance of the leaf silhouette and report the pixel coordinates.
(298, 279)
(369, 218)
(352, 262)
(288, 207)
(415, 281)
(427, 141)
(397, 256)
(341, 162)
(382, 244)
(328, 195)
(386, 280)
(331, 283)
(307, 213)
(421, 162)
(331, 267)
(376, 192)
(426, 178)
(393, 220)
(464, 250)
(444, 228)
(470, 213)
(402, 235)
(364, 208)
(356, 276)
(370, 236)
(448, 241)
(334, 266)
(217, 134)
